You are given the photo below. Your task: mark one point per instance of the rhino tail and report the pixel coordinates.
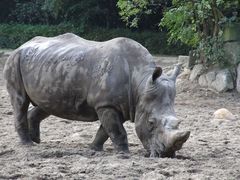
(12, 71)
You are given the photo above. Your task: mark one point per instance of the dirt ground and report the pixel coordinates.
(212, 151)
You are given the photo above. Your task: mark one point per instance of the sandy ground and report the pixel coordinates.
(212, 151)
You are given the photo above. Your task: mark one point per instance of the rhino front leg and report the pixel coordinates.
(35, 116)
(113, 125)
(100, 138)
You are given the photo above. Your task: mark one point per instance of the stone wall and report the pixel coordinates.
(216, 78)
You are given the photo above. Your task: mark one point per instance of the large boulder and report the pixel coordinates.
(223, 81)
(196, 72)
(207, 79)
(219, 80)
(203, 80)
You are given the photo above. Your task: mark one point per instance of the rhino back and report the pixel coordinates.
(66, 74)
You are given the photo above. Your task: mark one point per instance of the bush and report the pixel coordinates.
(13, 35)
(28, 12)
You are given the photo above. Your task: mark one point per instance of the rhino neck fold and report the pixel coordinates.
(139, 82)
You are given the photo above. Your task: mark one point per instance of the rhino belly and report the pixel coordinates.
(68, 106)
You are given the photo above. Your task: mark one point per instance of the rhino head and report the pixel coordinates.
(155, 121)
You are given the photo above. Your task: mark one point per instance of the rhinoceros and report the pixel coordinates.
(112, 81)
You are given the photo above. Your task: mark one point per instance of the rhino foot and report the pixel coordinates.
(96, 147)
(26, 142)
(35, 137)
(35, 116)
(25, 139)
(122, 148)
(123, 155)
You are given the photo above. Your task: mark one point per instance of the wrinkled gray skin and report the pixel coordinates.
(112, 81)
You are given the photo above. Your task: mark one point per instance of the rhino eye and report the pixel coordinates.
(151, 124)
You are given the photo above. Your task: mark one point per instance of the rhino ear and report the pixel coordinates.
(157, 73)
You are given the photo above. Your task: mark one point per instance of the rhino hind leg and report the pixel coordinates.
(112, 123)
(20, 103)
(18, 96)
(100, 138)
(35, 116)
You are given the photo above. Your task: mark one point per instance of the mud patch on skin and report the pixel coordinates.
(211, 152)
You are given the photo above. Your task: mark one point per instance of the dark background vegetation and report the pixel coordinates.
(21, 20)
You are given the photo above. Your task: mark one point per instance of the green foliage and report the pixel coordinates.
(195, 23)
(28, 12)
(213, 51)
(200, 25)
(6, 7)
(132, 10)
(179, 23)
(54, 7)
(189, 21)
(12, 36)
(84, 13)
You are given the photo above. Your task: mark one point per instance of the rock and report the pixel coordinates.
(238, 79)
(207, 79)
(184, 60)
(75, 137)
(185, 74)
(202, 81)
(210, 77)
(196, 72)
(152, 175)
(219, 80)
(223, 114)
(223, 81)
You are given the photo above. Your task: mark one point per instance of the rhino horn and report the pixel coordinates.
(180, 138)
(177, 138)
(176, 71)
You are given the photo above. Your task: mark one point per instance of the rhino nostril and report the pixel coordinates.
(176, 122)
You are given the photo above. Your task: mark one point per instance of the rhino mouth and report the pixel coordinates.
(160, 149)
